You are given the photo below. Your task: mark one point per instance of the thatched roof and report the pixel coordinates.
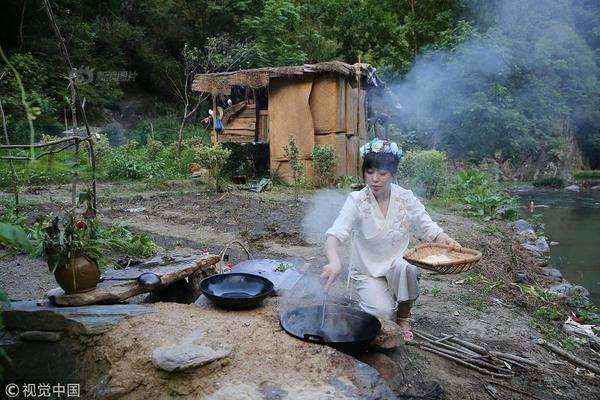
(222, 82)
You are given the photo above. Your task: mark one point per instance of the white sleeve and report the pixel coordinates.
(421, 223)
(345, 220)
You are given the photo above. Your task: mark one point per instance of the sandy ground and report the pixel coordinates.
(187, 218)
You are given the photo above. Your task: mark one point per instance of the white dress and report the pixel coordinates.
(378, 244)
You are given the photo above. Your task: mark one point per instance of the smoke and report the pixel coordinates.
(321, 213)
(521, 70)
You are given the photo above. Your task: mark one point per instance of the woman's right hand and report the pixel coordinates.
(330, 272)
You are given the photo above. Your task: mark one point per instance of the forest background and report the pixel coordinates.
(514, 81)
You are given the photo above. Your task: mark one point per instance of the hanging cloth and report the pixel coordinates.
(218, 125)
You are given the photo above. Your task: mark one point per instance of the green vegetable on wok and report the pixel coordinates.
(283, 267)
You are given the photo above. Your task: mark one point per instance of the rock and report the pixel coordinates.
(87, 320)
(41, 336)
(539, 249)
(573, 188)
(552, 273)
(578, 290)
(542, 245)
(185, 356)
(521, 225)
(561, 290)
(532, 249)
(390, 335)
(521, 277)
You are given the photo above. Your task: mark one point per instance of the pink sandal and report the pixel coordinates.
(407, 336)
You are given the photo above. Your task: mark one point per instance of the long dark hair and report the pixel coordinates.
(383, 161)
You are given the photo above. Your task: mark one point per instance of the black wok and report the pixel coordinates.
(236, 291)
(344, 328)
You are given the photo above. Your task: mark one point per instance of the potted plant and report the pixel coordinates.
(73, 248)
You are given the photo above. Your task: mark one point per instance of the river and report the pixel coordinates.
(573, 220)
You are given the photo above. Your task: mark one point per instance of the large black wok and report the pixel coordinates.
(235, 290)
(344, 328)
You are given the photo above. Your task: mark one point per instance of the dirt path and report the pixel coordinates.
(484, 308)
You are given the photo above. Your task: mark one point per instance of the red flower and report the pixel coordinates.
(87, 214)
(204, 251)
(80, 225)
(230, 265)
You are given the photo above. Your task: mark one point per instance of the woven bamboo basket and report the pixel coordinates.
(462, 260)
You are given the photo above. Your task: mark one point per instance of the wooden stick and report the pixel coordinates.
(514, 358)
(513, 389)
(467, 364)
(477, 362)
(41, 144)
(433, 339)
(470, 346)
(569, 356)
(15, 182)
(444, 338)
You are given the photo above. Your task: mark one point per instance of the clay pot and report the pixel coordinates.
(79, 275)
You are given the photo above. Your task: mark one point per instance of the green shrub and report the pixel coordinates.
(324, 161)
(291, 152)
(153, 149)
(213, 158)
(554, 182)
(424, 172)
(101, 146)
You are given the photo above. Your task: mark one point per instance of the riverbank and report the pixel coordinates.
(485, 306)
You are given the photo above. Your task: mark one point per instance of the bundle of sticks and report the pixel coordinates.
(494, 363)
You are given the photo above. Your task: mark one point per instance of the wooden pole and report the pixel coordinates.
(12, 166)
(213, 133)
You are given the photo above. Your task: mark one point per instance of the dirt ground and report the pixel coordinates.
(486, 308)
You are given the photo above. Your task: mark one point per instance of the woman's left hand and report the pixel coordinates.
(453, 245)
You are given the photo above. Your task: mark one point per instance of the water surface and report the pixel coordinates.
(573, 220)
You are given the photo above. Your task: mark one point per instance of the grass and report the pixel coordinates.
(472, 300)
(589, 173)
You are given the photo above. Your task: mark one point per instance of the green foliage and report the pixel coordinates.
(102, 147)
(482, 198)
(424, 171)
(554, 182)
(324, 161)
(291, 153)
(213, 158)
(551, 313)
(586, 173)
(347, 180)
(153, 149)
(13, 236)
(589, 314)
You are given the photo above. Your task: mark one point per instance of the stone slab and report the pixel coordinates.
(87, 320)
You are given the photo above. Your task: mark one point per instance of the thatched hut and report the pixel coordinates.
(318, 104)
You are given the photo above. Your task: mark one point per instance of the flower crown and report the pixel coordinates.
(377, 145)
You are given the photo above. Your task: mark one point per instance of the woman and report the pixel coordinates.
(381, 218)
